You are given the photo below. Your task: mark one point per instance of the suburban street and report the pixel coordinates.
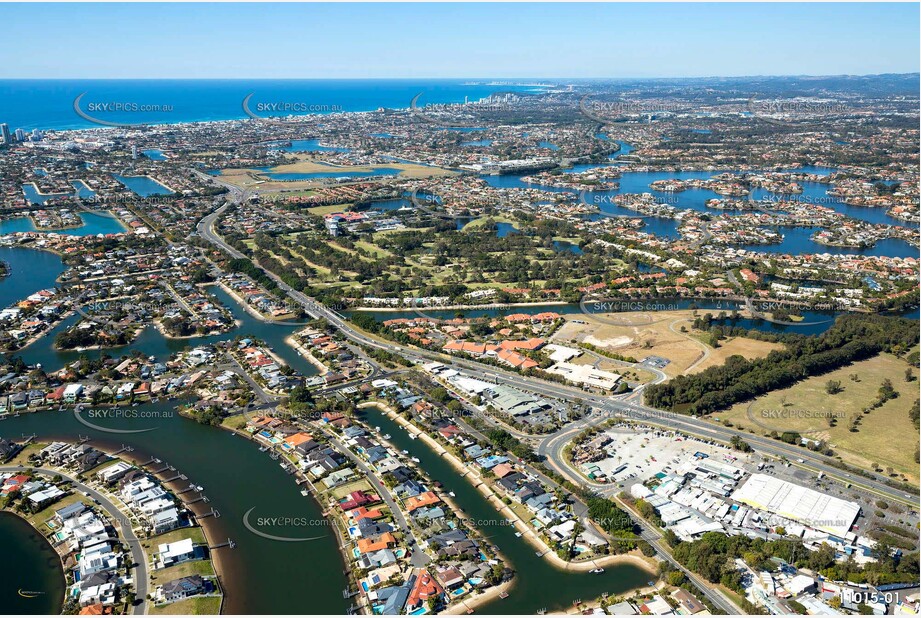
(126, 534)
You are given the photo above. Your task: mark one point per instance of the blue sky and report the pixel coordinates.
(455, 40)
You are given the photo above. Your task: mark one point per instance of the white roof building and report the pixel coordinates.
(801, 504)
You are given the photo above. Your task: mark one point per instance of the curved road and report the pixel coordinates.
(141, 577)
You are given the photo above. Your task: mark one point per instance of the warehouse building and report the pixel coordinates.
(800, 504)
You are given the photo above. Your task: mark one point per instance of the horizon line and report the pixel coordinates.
(394, 78)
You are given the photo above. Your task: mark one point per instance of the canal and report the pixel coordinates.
(259, 574)
(31, 576)
(538, 584)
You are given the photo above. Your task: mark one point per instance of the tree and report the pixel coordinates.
(833, 387)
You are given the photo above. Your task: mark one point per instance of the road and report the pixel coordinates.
(551, 447)
(419, 558)
(680, 422)
(141, 576)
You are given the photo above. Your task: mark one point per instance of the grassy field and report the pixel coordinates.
(172, 536)
(885, 436)
(307, 164)
(22, 458)
(197, 606)
(192, 567)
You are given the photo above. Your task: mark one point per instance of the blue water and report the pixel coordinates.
(49, 104)
(504, 229)
(814, 322)
(92, 224)
(478, 142)
(549, 145)
(82, 191)
(154, 154)
(816, 193)
(388, 205)
(142, 185)
(797, 240)
(33, 196)
(307, 145)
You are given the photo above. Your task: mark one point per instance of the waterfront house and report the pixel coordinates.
(391, 600)
(422, 500)
(370, 545)
(169, 554)
(102, 595)
(69, 511)
(182, 588)
(113, 472)
(425, 587)
(357, 499)
(449, 578)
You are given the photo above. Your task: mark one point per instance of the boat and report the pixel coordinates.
(518, 534)
(412, 436)
(405, 452)
(415, 459)
(503, 595)
(386, 436)
(304, 492)
(377, 428)
(199, 488)
(597, 571)
(451, 493)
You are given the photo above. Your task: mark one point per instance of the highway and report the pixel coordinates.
(611, 407)
(551, 447)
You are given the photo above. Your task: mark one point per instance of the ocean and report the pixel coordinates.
(49, 104)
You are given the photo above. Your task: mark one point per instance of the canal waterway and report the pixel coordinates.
(31, 576)
(539, 585)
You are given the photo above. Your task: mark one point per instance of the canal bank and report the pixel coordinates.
(538, 585)
(259, 574)
(34, 582)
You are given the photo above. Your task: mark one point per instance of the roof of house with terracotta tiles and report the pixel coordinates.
(424, 499)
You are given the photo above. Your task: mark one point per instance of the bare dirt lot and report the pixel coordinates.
(640, 335)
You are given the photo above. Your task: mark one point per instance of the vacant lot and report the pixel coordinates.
(199, 606)
(640, 334)
(885, 436)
